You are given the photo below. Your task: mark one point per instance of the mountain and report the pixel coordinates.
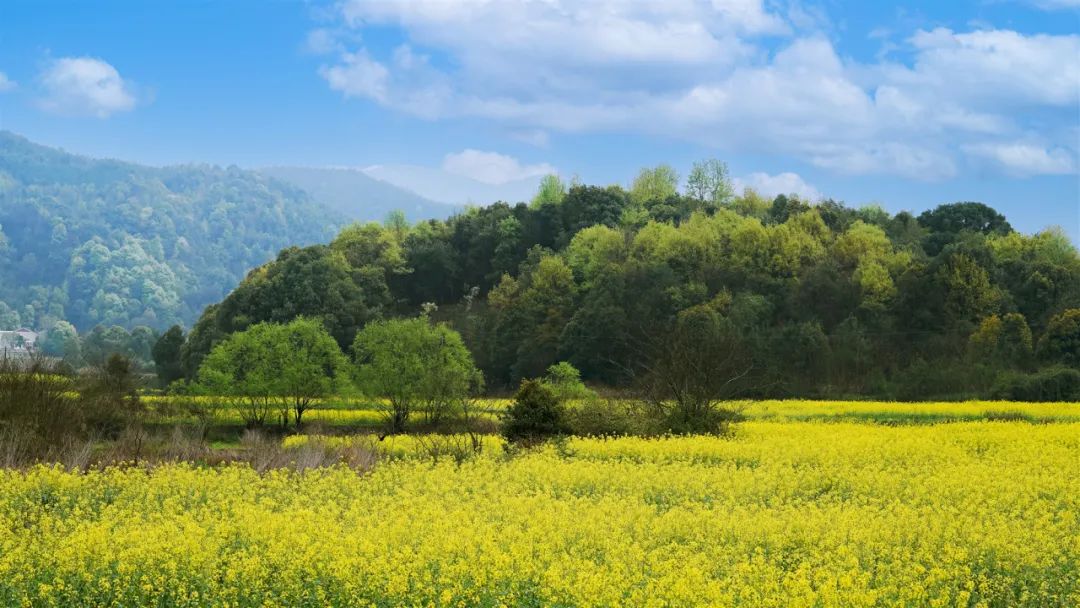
(446, 187)
(96, 241)
(359, 196)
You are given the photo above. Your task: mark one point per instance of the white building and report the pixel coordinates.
(22, 341)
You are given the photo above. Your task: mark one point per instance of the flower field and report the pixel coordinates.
(785, 513)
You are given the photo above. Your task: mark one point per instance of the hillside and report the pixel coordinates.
(789, 298)
(107, 242)
(358, 196)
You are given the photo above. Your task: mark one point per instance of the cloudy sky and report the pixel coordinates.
(907, 104)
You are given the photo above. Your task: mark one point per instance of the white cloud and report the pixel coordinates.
(492, 167)
(732, 74)
(85, 86)
(773, 185)
(358, 76)
(6, 84)
(1023, 160)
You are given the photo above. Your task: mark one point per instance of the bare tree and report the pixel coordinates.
(689, 372)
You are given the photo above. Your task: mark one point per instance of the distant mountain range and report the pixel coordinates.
(358, 196)
(445, 187)
(98, 241)
(370, 193)
(107, 242)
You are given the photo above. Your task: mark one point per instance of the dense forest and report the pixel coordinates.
(101, 242)
(790, 298)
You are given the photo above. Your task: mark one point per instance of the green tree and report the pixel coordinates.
(564, 380)
(274, 366)
(550, 192)
(1061, 340)
(1003, 339)
(310, 365)
(415, 364)
(166, 353)
(710, 183)
(656, 184)
(536, 414)
(58, 338)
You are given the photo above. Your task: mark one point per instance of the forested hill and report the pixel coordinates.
(106, 242)
(813, 298)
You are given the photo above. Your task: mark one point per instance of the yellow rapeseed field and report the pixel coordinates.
(785, 513)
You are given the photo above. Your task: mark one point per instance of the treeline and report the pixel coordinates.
(101, 242)
(792, 298)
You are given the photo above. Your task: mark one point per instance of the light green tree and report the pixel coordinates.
(271, 367)
(710, 182)
(415, 364)
(552, 190)
(655, 184)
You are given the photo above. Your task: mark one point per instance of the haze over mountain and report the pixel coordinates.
(438, 184)
(359, 196)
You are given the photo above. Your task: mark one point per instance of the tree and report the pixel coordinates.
(274, 366)
(110, 396)
(238, 371)
(946, 222)
(310, 364)
(536, 414)
(1005, 339)
(564, 380)
(710, 183)
(414, 364)
(957, 217)
(166, 353)
(687, 370)
(550, 192)
(1061, 340)
(58, 339)
(655, 184)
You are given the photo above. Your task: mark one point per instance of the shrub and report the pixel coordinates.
(564, 380)
(609, 417)
(110, 399)
(35, 403)
(536, 414)
(1050, 384)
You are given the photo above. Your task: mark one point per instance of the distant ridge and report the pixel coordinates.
(358, 196)
(95, 241)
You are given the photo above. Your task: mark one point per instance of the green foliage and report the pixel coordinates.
(415, 365)
(1049, 384)
(105, 242)
(274, 367)
(1061, 341)
(710, 183)
(1004, 340)
(654, 185)
(536, 414)
(551, 191)
(110, 397)
(166, 355)
(609, 418)
(817, 299)
(564, 380)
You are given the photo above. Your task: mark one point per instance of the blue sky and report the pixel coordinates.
(907, 104)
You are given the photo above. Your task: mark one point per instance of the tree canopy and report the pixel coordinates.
(820, 299)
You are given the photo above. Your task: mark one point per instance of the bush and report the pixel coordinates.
(564, 380)
(609, 417)
(1050, 384)
(536, 414)
(35, 403)
(110, 398)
